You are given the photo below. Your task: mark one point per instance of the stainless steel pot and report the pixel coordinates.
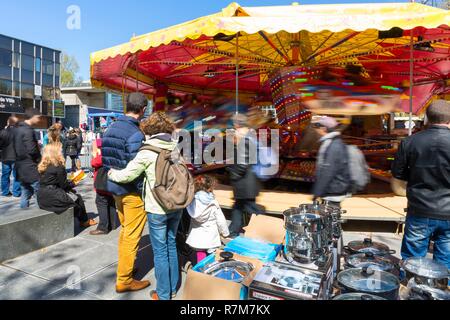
(426, 272)
(367, 280)
(307, 237)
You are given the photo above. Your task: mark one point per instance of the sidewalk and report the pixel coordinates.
(84, 268)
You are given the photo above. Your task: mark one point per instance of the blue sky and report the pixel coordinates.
(105, 23)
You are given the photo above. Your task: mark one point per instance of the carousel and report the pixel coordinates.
(361, 63)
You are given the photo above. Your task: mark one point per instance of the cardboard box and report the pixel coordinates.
(199, 286)
(265, 228)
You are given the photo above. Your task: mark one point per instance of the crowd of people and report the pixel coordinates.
(137, 159)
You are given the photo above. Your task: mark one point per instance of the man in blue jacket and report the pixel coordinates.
(121, 143)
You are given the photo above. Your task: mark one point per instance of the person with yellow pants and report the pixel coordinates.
(121, 143)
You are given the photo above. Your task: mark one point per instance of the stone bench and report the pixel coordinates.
(25, 231)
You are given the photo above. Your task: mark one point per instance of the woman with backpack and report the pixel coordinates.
(163, 216)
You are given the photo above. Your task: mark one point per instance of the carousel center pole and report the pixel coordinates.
(411, 79)
(237, 73)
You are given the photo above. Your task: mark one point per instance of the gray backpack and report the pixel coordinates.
(174, 186)
(359, 170)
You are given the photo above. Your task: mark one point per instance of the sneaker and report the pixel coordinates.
(9, 195)
(88, 223)
(154, 295)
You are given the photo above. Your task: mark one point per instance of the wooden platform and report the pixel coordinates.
(366, 208)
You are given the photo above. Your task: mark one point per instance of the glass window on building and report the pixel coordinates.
(27, 91)
(47, 93)
(47, 54)
(16, 46)
(37, 78)
(5, 43)
(16, 89)
(6, 87)
(16, 60)
(27, 49)
(47, 67)
(27, 62)
(27, 76)
(16, 74)
(5, 64)
(27, 103)
(37, 66)
(38, 52)
(47, 80)
(57, 69)
(57, 93)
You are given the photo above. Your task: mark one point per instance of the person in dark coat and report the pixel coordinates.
(245, 183)
(423, 161)
(71, 147)
(28, 156)
(8, 158)
(106, 206)
(56, 193)
(333, 182)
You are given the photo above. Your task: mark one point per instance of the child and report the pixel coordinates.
(56, 193)
(208, 222)
(104, 201)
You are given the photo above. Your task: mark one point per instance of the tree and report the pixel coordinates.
(69, 71)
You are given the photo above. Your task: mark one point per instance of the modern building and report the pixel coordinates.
(84, 100)
(29, 77)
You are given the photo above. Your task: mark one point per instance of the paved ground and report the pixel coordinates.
(84, 268)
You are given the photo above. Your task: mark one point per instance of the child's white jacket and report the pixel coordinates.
(207, 222)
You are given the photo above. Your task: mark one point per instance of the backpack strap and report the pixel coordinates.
(147, 147)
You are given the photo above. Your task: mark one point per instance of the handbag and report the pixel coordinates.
(101, 180)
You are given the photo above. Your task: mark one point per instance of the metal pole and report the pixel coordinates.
(411, 82)
(237, 73)
(411, 79)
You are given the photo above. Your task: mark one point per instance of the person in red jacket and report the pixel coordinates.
(104, 201)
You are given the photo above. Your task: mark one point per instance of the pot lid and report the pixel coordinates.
(367, 245)
(368, 280)
(369, 259)
(425, 267)
(358, 296)
(229, 269)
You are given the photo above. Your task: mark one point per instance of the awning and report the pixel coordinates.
(199, 56)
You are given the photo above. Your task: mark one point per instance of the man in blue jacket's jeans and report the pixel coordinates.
(423, 160)
(121, 143)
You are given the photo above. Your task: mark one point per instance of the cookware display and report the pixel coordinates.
(307, 237)
(367, 245)
(426, 272)
(370, 281)
(229, 269)
(422, 292)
